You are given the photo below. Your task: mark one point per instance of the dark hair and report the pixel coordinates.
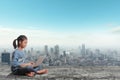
(20, 38)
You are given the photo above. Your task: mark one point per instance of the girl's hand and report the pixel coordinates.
(32, 63)
(29, 64)
(26, 64)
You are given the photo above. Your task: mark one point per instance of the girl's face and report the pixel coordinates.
(23, 43)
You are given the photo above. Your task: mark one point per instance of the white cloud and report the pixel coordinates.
(35, 36)
(115, 29)
(43, 37)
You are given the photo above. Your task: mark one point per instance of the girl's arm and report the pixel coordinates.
(27, 64)
(16, 62)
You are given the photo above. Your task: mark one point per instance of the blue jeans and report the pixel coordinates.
(22, 71)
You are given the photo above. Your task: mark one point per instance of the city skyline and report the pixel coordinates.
(56, 56)
(66, 23)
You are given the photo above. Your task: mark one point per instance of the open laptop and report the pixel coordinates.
(39, 61)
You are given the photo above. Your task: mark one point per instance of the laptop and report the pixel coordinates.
(39, 61)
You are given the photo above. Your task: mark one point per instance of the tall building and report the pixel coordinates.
(83, 50)
(32, 52)
(56, 51)
(97, 52)
(51, 50)
(64, 55)
(5, 57)
(46, 50)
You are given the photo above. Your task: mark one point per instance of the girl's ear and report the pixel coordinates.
(19, 42)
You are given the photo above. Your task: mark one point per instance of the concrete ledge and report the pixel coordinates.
(21, 77)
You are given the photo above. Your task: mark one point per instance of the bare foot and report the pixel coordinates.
(43, 71)
(30, 74)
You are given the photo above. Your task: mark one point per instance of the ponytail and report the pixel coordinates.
(20, 38)
(14, 44)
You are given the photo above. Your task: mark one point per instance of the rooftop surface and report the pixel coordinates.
(68, 73)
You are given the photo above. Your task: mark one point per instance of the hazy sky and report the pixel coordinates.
(65, 22)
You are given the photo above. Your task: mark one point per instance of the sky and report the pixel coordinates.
(95, 23)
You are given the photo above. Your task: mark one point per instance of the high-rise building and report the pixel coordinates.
(5, 57)
(64, 53)
(83, 50)
(97, 52)
(46, 50)
(65, 58)
(32, 52)
(56, 51)
(51, 50)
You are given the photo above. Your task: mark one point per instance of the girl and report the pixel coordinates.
(19, 66)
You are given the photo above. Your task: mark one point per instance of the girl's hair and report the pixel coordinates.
(20, 38)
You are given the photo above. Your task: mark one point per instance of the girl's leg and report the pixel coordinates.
(30, 74)
(43, 71)
(31, 71)
(24, 71)
(39, 70)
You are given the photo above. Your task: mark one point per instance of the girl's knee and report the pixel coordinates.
(29, 67)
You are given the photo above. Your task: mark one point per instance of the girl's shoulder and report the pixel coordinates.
(18, 51)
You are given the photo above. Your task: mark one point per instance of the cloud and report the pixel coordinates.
(34, 36)
(115, 30)
(38, 37)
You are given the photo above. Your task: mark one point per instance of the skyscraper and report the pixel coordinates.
(5, 57)
(83, 50)
(46, 50)
(56, 51)
(51, 50)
